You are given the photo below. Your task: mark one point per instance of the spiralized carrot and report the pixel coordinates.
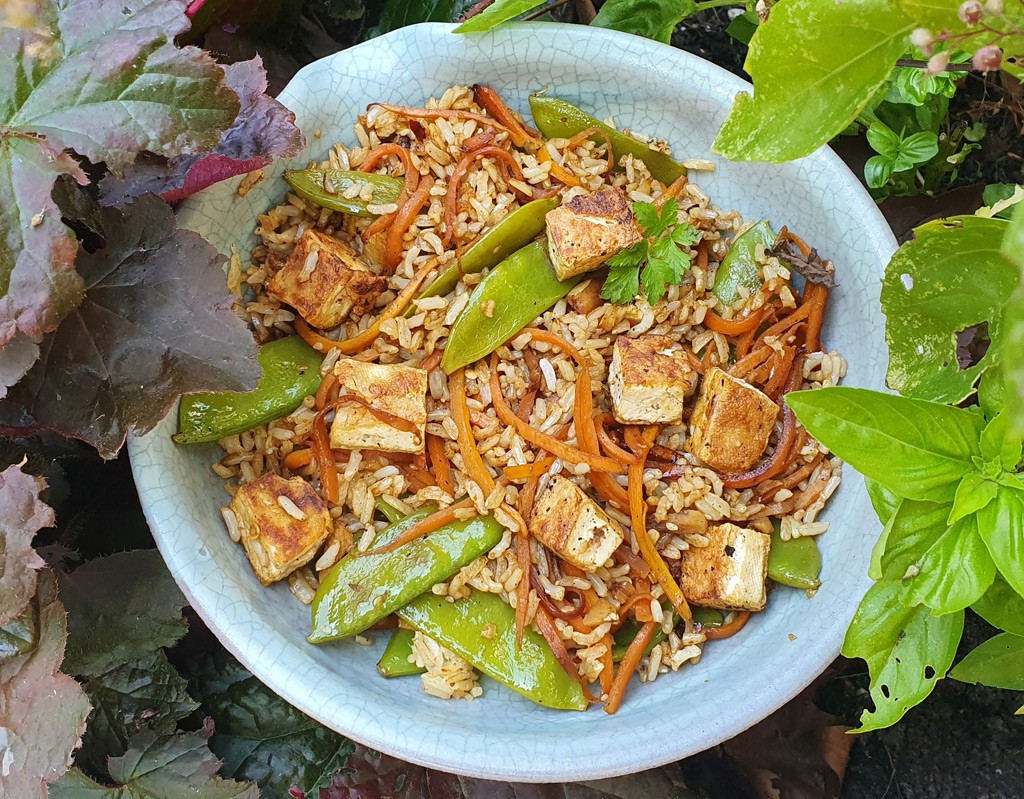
(672, 190)
(361, 341)
(730, 629)
(601, 421)
(607, 676)
(546, 627)
(518, 132)
(583, 135)
(419, 478)
(629, 664)
(641, 611)
(767, 490)
(747, 364)
(734, 327)
(425, 525)
(441, 113)
(412, 177)
(557, 171)
(786, 323)
(526, 500)
(297, 458)
(474, 464)
(322, 456)
(439, 463)
(815, 296)
(555, 340)
(638, 516)
(451, 197)
(402, 221)
(783, 363)
(327, 385)
(597, 463)
(528, 470)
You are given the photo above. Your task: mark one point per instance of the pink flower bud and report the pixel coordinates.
(987, 58)
(970, 12)
(920, 37)
(937, 63)
(994, 6)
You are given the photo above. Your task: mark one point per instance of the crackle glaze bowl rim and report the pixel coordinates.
(647, 86)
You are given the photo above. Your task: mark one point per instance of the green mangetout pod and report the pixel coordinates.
(624, 637)
(530, 670)
(360, 590)
(708, 617)
(291, 372)
(557, 119)
(512, 233)
(521, 287)
(327, 187)
(796, 562)
(395, 660)
(740, 267)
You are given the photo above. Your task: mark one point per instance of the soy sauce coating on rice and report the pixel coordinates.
(581, 594)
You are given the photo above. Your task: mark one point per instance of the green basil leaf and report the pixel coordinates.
(918, 148)
(954, 571)
(973, 494)
(916, 449)
(949, 278)
(1013, 334)
(877, 171)
(500, 11)
(1002, 607)
(743, 27)
(913, 528)
(815, 67)
(907, 650)
(1002, 528)
(653, 19)
(883, 140)
(886, 504)
(399, 13)
(997, 663)
(999, 445)
(991, 395)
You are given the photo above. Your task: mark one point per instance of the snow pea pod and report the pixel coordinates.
(291, 372)
(557, 119)
(394, 662)
(740, 266)
(360, 590)
(795, 562)
(624, 637)
(512, 233)
(482, 629)
(516, 291)
(327, 187)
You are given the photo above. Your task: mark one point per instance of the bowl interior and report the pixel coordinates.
(651, 88)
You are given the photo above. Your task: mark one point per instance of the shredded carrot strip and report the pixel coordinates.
(638, 515)
(527, 497)
(557, 171)
(747, 364)
(607, 666)
(547, 337)
(431, 362)
(441, 113)
(400, 225)
(491, 102)
(419, 478)
(389, 419)
(786, 322)
(734, 327)
(803, 246)
(766, 490)
(451, 197)
(815, 295)
(439, 463)
(597, 463)
(297, 458)
(583, 135)
(474, 464)
(426, 525)
(633, 603)
(361, 341)
(780, 371)
(327, 385)
(672, 190)
(528, 470)
(730, 629)
(323, 457)
(601, 421)
(629, 664)
(547, 628)
(412, 178)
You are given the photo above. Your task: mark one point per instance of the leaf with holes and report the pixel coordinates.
(156, 321)
(23, 515)
(950, 278)
(997, 663)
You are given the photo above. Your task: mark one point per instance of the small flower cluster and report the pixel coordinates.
(972, 14)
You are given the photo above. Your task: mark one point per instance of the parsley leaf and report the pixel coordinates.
(663, 263)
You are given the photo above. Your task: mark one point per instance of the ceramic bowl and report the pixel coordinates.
(645, 86)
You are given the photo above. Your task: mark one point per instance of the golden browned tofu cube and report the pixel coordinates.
(392, 390)
(571, 524)
(649, 379)
(731, 423)
(729, 573)
(282, 524)
(590, 229)
(325, 281)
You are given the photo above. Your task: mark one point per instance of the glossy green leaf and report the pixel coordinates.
(917, 148)
(955, 569)
(907, 650)
(997, 663)
(886, 504)
(973, 494)
(916, 449)
(877, 171)
(883, 141)
(498, 12)
(815, 67)
(259, 736)
(1002, 607)
(653, 19)
(1013, 334)
(1000, 445)
(400, 13)
(1002, 528)
(913, 528)
(743, 27)
(950, 277)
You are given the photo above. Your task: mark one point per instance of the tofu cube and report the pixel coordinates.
(649, 380)
(325, 281)
(730, 424)
(572, 525)
(282, 524)
(590, 229)
(400, 391)
(729, 573)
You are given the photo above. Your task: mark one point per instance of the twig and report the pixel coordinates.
(475, 9)
(911, 62)
(540, 12)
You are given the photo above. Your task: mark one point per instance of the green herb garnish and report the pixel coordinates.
(659, 253)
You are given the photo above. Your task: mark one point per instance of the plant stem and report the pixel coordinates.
(911, 62)
(540, 12)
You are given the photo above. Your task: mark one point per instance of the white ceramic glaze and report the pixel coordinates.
(649, 87)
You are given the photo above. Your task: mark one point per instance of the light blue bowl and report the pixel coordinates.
(649, 87)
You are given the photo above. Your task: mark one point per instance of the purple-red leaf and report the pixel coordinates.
(21, 516)
(263, 130)
(156, 321)
(42, 712)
